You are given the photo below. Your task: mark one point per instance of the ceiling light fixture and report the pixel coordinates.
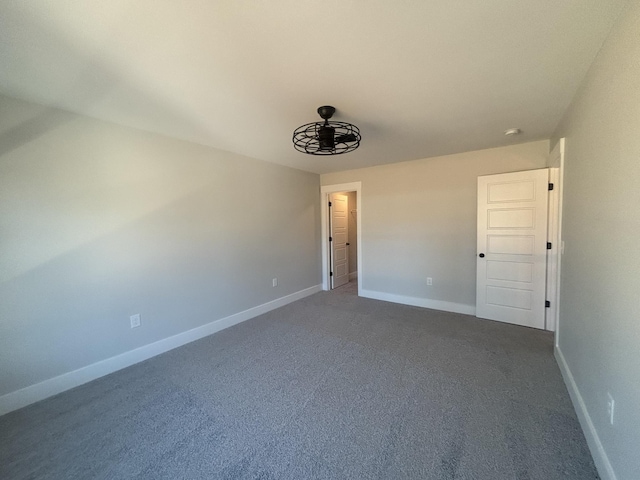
(326, 138)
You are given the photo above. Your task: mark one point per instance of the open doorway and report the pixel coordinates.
(341, 237)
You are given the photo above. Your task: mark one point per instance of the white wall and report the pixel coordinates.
(420, 221)
(99, 222)
(599, 325)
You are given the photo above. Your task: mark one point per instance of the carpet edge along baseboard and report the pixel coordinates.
(66, 381)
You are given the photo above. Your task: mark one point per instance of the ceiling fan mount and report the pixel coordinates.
(326, 112)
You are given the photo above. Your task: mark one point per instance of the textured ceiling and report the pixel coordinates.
(419, 77)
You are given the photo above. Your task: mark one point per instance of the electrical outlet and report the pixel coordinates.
(429, 281)
(611, 404)
(274, 282)
(135, 320)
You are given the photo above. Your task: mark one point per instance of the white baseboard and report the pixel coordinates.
(420, 302)
(593, 440)
(39, 391)
(353, 275)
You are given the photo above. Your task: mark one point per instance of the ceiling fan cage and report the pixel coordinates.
(328, 137)
(307, 138)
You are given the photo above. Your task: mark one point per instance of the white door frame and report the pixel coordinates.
(556, 160)
(552, 253)
(325, 190)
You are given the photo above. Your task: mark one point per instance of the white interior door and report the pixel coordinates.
(339, 237)
(512, 247)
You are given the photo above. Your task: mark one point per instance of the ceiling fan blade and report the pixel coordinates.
(349, 137)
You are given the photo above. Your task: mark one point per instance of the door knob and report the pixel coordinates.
(481, 255)
(347, 243)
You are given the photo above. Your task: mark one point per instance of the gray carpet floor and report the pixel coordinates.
(330, 387)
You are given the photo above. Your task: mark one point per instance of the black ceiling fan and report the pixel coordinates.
(328, 137)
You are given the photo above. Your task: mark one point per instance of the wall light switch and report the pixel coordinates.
(274, 282)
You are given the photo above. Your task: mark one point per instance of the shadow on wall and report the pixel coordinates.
(100, 222)
(52, 174)
(181, 264)
(29, 130)
(96, 78)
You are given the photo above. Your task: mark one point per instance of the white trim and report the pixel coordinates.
(593, 440)
(552, 254)
(34, 393)
(353, 275)
(419, 302)
(556, 159)
(561, 151)
(325, 190)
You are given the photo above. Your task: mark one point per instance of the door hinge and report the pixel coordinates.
(551, 186)
(331, 239)
(329, 203)
(331, 274)
(549, 246)
(547, 304)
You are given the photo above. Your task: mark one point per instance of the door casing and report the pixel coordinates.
(556, 161)
(325, 190)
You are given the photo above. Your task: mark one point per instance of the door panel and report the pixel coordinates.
(509, 297)
(512, 240)
(510, 245)
(510, 271)
(506, 192)
(339, 239)
(512, 218)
